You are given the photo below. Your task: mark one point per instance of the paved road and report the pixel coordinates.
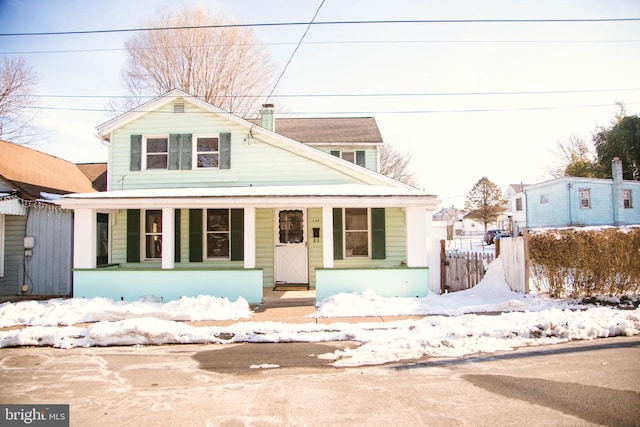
(582, 383)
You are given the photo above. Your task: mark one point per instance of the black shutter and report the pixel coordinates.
(360, 158)
(337, 233)
(237, 234)
(195, 235)
(135, 161)
(225, 151)
(335, 153)
(176, 246)
(185, 151)
(133, 235)
(173, 162)
(378, 250)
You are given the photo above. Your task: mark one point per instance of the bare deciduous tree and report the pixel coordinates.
(574, 158)
(17, 83)
(395, 164)
(223, 66)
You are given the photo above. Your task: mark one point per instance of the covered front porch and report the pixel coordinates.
(332, 238)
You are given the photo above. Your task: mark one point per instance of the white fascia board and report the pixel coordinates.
(427, 202)
(344, 144)
(105, 129)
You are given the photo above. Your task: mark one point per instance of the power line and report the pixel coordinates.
(364, 95)
(285, 24)
(294, 51)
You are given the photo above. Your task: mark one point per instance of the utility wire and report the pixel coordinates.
(285, 24)
(294, 52)
(364, 95)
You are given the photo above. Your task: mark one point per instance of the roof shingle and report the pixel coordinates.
(32, 172)
(351, 130)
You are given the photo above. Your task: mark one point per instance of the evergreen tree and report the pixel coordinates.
(484, 202)
(621, 140)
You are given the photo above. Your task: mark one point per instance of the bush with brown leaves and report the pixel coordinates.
(586, 261)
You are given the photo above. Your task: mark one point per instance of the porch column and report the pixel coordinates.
(84, 238)
(249, 237)
(416, 218)
(327, 237)
(168, 238)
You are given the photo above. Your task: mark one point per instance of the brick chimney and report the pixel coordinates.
(618, 197)
(268, 117)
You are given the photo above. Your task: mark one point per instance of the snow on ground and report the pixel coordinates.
(56, 312)
(523, 320)
(490, 295)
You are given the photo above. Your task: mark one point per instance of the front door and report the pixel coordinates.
(291, 247)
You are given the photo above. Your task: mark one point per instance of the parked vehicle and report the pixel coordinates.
(500, 235)
(490, 235)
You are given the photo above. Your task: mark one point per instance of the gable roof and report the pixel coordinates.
(341, 130)
(97, 173)
(105, 129)
(32, 172)
(517, 188)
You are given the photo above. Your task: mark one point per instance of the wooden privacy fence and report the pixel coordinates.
(462, 270)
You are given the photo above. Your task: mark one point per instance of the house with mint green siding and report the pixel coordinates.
(575, 201)
(200, 201)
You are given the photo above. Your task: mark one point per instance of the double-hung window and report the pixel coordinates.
(585, 198)
(356, 232)
(349, 156)
(627, 200)
(217, 227)
(156, 152)
(152, 234)
(207, 152)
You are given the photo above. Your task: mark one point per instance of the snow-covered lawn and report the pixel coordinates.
(450, 327)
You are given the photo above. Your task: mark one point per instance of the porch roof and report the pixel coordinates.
(266, 196)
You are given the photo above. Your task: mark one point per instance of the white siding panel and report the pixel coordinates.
(118, 232)
(265, 245)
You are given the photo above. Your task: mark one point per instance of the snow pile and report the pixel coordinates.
(438, 336)
(492, 294)
(79, 310)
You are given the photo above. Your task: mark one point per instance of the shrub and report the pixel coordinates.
(586, 261)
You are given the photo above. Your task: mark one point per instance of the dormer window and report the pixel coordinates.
(357, 157)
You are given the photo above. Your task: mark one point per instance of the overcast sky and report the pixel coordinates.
(467, 109)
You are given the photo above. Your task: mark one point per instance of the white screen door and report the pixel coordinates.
(291, 247)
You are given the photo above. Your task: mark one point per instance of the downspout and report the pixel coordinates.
(526, 208)
(617, 192)
(569, 190)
